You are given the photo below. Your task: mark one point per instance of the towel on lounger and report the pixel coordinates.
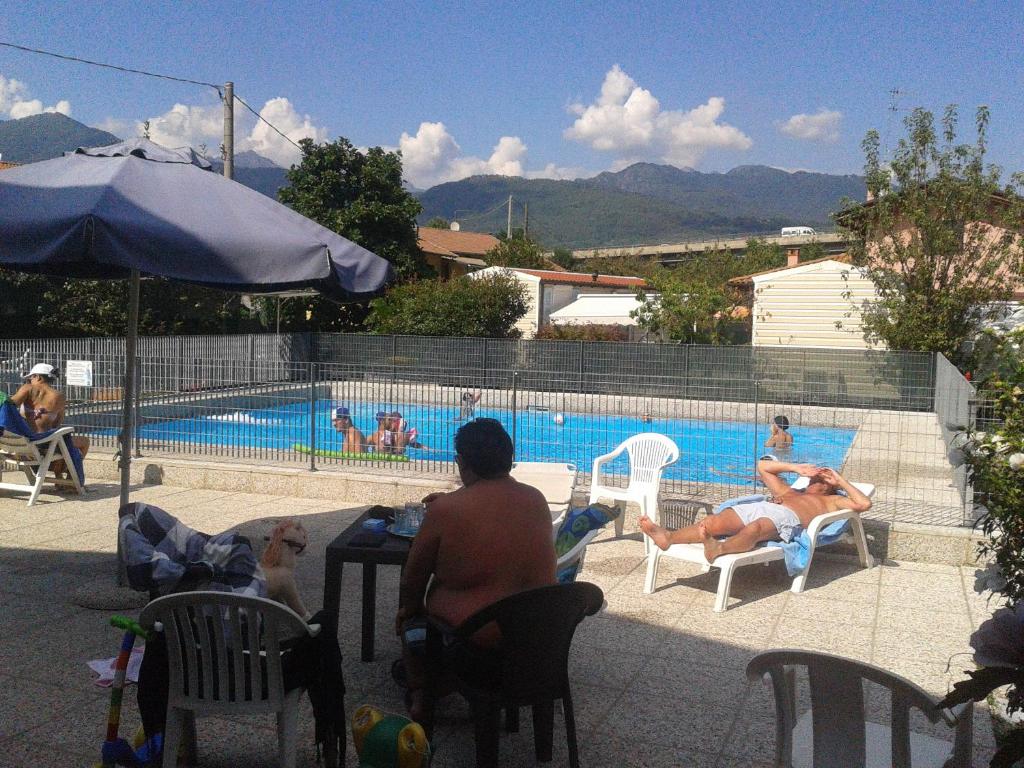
(12, 421)
(796, 552)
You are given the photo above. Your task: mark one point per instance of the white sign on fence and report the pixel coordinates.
(78, 373)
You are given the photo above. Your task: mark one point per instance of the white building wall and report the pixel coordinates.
(801, 307)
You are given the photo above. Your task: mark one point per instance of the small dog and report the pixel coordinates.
(288, 540)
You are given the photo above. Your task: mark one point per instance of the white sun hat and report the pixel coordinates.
(41, 369)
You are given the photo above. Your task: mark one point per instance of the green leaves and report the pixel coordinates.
(360, 196)
(486, 306)
(937, 239)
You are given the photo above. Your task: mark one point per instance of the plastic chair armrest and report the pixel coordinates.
(60, 432)
(604, 459)
(818, 523)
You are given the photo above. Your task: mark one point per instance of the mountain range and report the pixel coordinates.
(644, 203)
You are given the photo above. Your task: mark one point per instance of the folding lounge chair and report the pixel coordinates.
(555, 481)
(33, 457)
(766, 552)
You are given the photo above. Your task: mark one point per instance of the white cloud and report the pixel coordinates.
(15, 102)
(264, 140)
(184, 125)
(197, 125)
(821, 126)
(433, 156)
(629, 122)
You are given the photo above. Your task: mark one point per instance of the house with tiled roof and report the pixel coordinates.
(453, 253)
(549, 291)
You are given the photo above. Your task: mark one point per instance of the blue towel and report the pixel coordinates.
(797, 551)
(12, 421)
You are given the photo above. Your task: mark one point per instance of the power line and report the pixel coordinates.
(274, 127)
(215, 87)
(112, 66)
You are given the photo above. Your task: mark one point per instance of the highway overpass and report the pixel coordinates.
(831, 242)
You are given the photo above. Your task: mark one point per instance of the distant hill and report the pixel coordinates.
(45, 136)
(645, 203)
(257, 172)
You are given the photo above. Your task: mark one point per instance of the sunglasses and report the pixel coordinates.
(295, 546)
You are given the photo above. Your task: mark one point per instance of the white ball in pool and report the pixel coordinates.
(559, 419)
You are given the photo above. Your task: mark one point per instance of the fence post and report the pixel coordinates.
(757, 421)
(515, 387)
(484, 367)
(312, 417)
(252, 358)
(139, 389)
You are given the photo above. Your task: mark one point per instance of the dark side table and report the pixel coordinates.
(394, 551)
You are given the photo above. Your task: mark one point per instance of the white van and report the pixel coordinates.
(797, 231)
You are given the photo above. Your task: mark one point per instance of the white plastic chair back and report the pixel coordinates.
(649, 453)
(840, 735)
(217, 647)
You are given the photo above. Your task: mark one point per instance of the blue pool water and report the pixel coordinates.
(710, 451)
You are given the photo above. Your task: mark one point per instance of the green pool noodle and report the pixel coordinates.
(329, 454)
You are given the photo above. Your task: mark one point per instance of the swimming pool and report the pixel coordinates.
(710, 451)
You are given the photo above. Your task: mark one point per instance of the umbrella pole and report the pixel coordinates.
(127, 405)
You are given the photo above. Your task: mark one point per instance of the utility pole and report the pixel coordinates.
(508, 231)
(229, 129)
(526, 221)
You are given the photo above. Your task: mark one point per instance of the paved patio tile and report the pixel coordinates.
(659, 680)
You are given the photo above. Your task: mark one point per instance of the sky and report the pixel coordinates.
(536, 89)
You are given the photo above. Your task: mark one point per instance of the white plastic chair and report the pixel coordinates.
(649, 453)
(213, 640)
(835, 732)
(33, 457)
(765, 553)
(556, 481)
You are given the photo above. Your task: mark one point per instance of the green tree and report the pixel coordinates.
(693, 303)
(516, 252)
(563, 258)
(439, 222)
(925, 238)
(481, 306)
(360, 196)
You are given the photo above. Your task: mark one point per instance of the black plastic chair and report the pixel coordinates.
(529, 667)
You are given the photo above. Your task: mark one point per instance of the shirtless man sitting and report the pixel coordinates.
(777, 517)
(352, 438)
(481, 543)
(43, 407)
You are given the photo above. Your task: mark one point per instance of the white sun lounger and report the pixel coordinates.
(765, 553)
(34, 458)
(556, 481)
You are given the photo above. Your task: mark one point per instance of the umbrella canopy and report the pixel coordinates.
(136, 208)
(101, 213)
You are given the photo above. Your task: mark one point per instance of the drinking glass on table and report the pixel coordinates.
(413, 516)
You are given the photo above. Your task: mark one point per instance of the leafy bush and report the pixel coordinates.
(583, 333)
(484, 306)
(995, 457)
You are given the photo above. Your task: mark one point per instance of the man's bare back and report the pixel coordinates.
(493, 540)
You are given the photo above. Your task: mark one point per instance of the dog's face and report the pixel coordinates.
(295, 538)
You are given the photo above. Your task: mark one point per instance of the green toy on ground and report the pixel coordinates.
(383, 740)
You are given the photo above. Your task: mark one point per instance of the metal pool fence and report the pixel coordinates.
(230, 397)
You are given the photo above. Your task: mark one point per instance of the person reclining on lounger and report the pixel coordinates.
(779, 516)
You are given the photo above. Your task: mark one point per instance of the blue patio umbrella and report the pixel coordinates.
(139, 209)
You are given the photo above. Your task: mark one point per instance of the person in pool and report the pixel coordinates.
(778, 517)
(390, 437)
(780, 436)
(353, 438)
